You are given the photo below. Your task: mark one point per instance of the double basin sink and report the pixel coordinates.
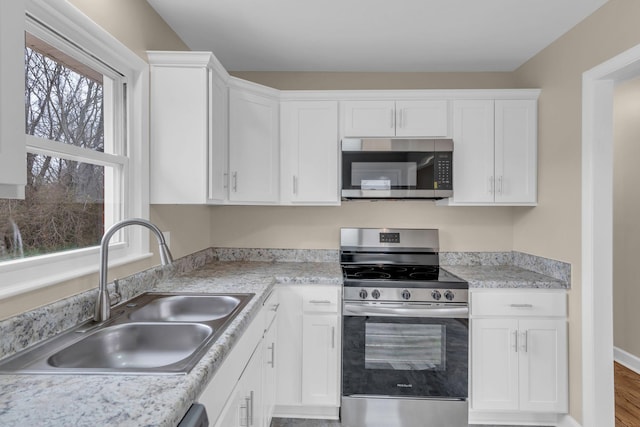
(153, 333)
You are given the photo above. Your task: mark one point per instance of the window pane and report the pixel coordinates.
(63, 209)
(64, 98)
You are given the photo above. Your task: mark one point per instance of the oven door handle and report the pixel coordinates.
(405, 310)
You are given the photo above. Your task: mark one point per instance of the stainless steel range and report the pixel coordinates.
(406, 332)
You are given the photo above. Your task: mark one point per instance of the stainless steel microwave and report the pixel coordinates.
(395, 168)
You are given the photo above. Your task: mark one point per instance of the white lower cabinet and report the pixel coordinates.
(244, 407)
(270, 365)
(519, 359)
(309, 346)
(242, 391)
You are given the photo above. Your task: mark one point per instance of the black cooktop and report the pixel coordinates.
(391, 275)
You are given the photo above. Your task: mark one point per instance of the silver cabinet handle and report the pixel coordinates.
(225, 180)
(521, 305)
(272, 347)
(333, 337)
(250, 411)
(235, 181)
(515, 340)
(244, 421)
(491, 185)
(524, 338)
(500, 185)
(295, 184)
(317, 301)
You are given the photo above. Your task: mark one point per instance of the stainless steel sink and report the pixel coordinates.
(133, 345)
(153, 333)
(186, 308)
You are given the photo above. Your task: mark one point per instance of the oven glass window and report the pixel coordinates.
(408, 347)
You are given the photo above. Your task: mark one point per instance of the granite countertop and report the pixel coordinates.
(153, 400)
(504, 276)
(162, 400)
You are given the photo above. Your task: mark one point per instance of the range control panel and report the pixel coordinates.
(406, 294)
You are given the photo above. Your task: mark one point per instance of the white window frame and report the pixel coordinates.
(28, 274)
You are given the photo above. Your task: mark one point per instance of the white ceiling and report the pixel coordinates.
(372, 35)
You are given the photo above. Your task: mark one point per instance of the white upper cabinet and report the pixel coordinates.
(495, 152)
(310, 152)
(219, 131)
(516, 127)
(473, 158)
(217, 139)
(13, 156)
(188, 125)
(422, 118)
(254, 154)
(411, 118)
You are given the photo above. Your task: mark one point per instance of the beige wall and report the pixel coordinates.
(553, 228)
(357, 81)
(133, 22)
(626, 217)
(461, 228)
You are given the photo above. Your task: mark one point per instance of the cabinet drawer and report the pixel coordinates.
(320, 299)
(518, 303)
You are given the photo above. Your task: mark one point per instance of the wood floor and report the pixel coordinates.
(627, 385)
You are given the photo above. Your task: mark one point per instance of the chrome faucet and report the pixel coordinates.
(103, 303)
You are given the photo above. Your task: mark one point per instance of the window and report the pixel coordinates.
(86, 144)
(64, 205)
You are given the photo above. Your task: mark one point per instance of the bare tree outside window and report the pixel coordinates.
(64, 204)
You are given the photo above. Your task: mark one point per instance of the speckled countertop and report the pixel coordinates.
(162, 400)
(504, 276)
(152, 400)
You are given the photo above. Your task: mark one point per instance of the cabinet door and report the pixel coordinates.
(422, 118)
(219, 148)
(543, 365)
(289, 345)
(253, 147)
(516, 151)
(473, 143)
(369, 118)
(320, 368)
(494, 364)
(252, 390)
(179, 134)
(310, 152)
(270, 364)
(234, 413)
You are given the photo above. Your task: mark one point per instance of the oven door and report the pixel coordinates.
(405, 350)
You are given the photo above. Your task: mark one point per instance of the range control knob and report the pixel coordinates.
(436, 295)
(375, 294)
(406, 294)
(363, 293)
(449, 295)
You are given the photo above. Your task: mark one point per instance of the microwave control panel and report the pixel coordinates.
(443, 171)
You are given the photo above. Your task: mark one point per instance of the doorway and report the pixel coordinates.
(597, 231)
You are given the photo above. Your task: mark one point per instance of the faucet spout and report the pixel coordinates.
(103, 302)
